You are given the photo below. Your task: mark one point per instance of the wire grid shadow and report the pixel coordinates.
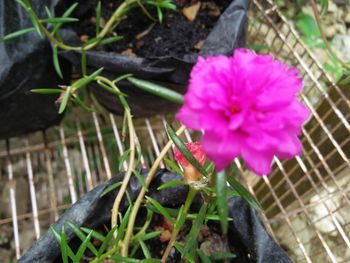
(305, 201)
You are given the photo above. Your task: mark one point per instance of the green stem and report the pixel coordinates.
(109, 25)
(115, 88)
(122, 189)
(137, 204)
(191, 194)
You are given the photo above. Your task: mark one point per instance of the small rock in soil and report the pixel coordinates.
(128, 52)
(191, 12)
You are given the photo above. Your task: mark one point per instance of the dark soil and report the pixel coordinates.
(176, 36)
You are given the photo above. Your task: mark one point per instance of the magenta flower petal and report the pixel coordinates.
(220, 149)
(247, 106)
(257, 161)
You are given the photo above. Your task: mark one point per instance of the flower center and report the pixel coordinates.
(234, 108)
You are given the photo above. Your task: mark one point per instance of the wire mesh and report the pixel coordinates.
(305, 201)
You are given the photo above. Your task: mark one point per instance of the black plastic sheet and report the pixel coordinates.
(25, 64)
(246, 231)
(228, 34)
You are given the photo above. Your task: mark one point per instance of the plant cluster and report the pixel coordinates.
(235, 100)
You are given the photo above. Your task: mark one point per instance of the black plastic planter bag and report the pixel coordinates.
(25, 64)
(173, 72)
(246, 232)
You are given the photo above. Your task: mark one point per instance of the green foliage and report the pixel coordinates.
(160, 209)
(244, 193)
(140, 179)
(122, 159)
(309, 30)
(171, 184)
(221, 200)
(187, 255)
(173, 166)
(56, 62)
(160, 5)
(106, 241)
(191, 239)
(158, 90)
(17, 34)
(111, 188)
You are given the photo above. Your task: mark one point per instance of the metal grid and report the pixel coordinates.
(305, 201)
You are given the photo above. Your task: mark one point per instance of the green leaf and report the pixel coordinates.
(119, 258)
(123, 225)
(55, 20)
(232, 193)
(110, 40)
(171, 184)
(173, 212)
(35, 21)
(221, 200)
(324, 7)
(204, 258)
(83, 237)
(46, 91)
(86, 80)
(180, 248)
(83, 61)
(62, 240)
(173, 166)
(167, 5)
(56, 62)
(145, 249)
(160, 14)
(140, 179)
(181, 218)
(207, 217)
(111, 188)
(95, 234)
(160, 209)
(183, 149)
(98, 17)
(83, 247)
(222, 256)
(65, 99)
(122, 159)
(55, 233)
(150, 235)
(244, 193)
(307, 25)
(91, 42)
(21, 3)
(80, 103)
(210, 168)
(106, 241)
(64, 245)
(151, 260)
(125, 76)
(192, 236)
(17, 34)
(109, 89)
(67, 13)
(158, 90)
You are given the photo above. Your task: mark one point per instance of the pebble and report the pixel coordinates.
(191, 12)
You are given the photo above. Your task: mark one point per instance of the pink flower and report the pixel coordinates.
(247, 106)
(191, 173)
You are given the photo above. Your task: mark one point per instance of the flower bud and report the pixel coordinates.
(190, 172)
